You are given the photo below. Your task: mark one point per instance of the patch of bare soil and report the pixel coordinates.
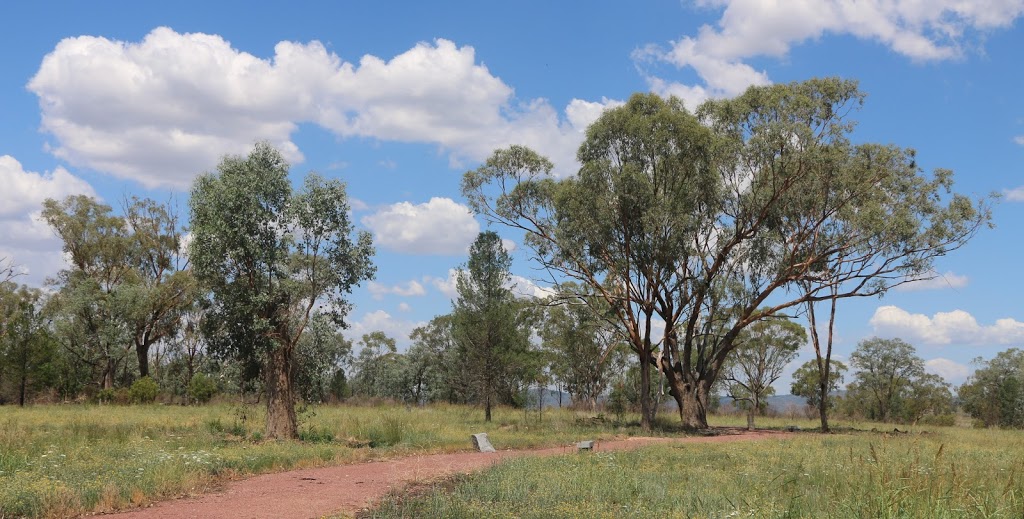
(347, 489)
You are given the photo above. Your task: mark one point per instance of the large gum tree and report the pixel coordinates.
(271, 257)
(693, 226)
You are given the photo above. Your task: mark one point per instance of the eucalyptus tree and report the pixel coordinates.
(27, 350)
(701, 225)
(994, 393)
(164, 288)
(437, 351)
(322, 354)
(582, 346)
(763, 351)
(807, 383)
(270, 256)
(488, 323)
(94, 296)
(890, 382)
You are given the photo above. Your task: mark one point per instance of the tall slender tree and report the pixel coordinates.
(487, 320)
(270, 256)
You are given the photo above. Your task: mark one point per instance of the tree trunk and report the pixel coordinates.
(281, 421)
(645, 393)
(142, 352)
(693, 405)
(108, 374)
(22, 389)
(750, 418)
(823, 405)
(487, 408)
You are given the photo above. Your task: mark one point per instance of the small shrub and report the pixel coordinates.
(105, 396)
(201, 388)
(947, 420)
(143, 391)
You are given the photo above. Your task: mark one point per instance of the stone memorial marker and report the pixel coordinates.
(587, 445)
(481, 443)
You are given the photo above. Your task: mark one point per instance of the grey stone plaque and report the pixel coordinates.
(481, 443)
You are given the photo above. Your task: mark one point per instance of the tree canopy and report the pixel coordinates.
(270, 256)
(712, 221)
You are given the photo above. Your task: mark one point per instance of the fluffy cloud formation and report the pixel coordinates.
(954, 372)
(939, 282)
(447, 286)
(921, 31)
(25, 239)
(1019, 139)
(379, 320)
(410, 288)
(165, 109)
(440, 226)
(25, 191)
(957, 327)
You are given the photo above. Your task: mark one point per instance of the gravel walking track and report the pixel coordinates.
(346, 489)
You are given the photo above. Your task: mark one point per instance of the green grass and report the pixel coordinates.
(61, 461)
(948, 473)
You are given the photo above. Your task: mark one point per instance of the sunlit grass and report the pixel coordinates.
(947, 473)
(66, 460)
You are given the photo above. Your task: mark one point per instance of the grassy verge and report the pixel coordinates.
(948, 473)
(62, 461)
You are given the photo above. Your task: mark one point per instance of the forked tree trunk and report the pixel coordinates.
(281, 421)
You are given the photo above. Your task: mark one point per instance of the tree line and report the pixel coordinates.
(686, 238)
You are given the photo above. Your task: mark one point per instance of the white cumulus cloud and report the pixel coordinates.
(407, 289)
(164, 109)
(447, 286)
(957, 327)
(25, 239)
(379, 320)
(440, 226)
(921, 31)
(954, 372)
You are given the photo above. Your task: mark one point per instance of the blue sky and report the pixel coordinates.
(400, 98)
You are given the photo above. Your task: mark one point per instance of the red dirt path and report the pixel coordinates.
(346, 489)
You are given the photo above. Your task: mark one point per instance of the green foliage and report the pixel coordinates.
(764, 350)
(143, 391)
(30, 359)
(582, 349)
(95, 295)
(322, 355)
(807, 382)
(270, 254)
(994, 394)
(890, 383)
(201, 388)
(489, 325)
(699, 220)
